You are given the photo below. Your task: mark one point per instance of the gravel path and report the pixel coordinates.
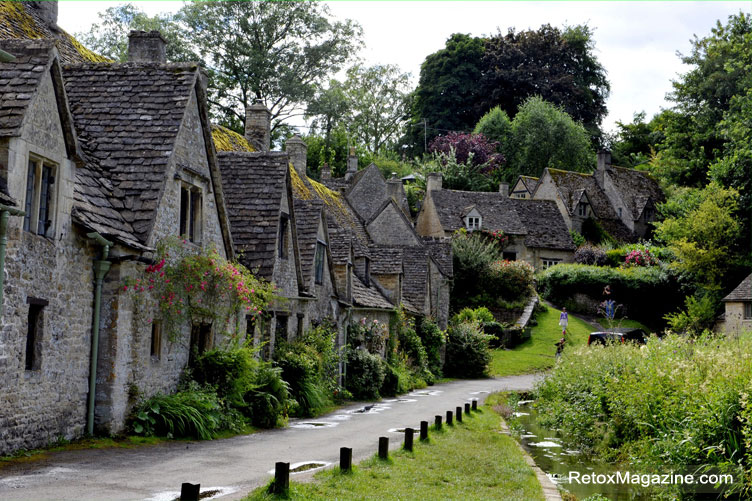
(236, 465)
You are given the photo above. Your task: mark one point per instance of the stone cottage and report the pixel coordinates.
(622, 200)
(524, 187)
(737, 318)
(536, 231)
(99, 163)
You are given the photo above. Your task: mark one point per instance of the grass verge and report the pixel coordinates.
(470, 460)
(539, 353)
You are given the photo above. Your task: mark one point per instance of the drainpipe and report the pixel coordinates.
(5, 213)
(101, 267)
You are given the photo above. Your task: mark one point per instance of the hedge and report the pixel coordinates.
(647, 293)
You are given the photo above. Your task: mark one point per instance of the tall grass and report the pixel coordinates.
(676, 401)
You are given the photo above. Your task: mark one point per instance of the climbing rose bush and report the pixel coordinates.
(639, 257)
(192, 285)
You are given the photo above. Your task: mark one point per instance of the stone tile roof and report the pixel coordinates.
(440, 249)
(307, 217)
(743, 292)
(19, 80)
(636, 189)
(496, 211)
(5, 197)
(127, 117)
(415, 282)
(385, 260)
(368, 297)
(254, 185)
(18, 20)
(530, 182)
(545, 225)
(229, 140)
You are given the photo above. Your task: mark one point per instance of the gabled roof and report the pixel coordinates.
(254, 187)
(530, 182)
(545, 225)
(497, 211)
(636, 188)
(368, 297)
(19, 20)
(128, 117)
(440, 249)
(415, 282)
(743, 291)
(571, 185)
(385, 260)
(19, 80)
(307, 219)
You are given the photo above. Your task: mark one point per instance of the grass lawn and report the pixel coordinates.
(539, 353)
(469, 460)
(624, 323)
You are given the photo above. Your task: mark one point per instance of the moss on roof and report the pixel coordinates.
(229, 140)
(87, 54)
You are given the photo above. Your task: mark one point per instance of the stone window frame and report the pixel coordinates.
(34, 334)
(190, 217)
(747, 310)
(547, 262)
(582, 209)
(473, 222)
(318, 262)
(41, 195)
(155, 349)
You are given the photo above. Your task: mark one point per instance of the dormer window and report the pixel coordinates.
(190, 213)
(582, 209)
(41, 198)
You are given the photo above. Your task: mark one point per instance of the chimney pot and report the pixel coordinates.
(504, 189)
(297, 150)
(146, 47)
(258, 130)
(352, 164)
(433, 181)
(326, 172)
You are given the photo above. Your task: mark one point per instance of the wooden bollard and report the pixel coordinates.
(437, 422)
(475, 405)
(345, 459)
(409, 439)
(189, 492)
(424, 430)
(467, 408)
(281, 478)
(458, 413)
(383, 447)
(449, 418)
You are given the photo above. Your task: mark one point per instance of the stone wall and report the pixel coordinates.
(390, 228)
(547, 191)
(734, 321)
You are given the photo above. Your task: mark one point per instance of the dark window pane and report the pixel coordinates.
(195, 215)
(319, 262)
(33, 332)
(44, 201)
(30, 182)
(184, 202)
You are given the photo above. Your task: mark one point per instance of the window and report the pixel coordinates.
(509, 256)
(649, 214)
(582, 209)
(619, 211)
(319, 262)
(282, 238)
(472, 223)
(34, 331)
(156, 340)
(190, 213)
(250, 328)
(747, 310)
(201, 340)
(301, 324)
(367, 273)
(40, 198)
(280, 329)
(548, 262)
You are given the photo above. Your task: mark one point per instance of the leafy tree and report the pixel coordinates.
(701, 229)
(458, 175)
(273, 52)
(329, 108)
(635, 142)
(544, 135)
(496, 126)
(377, 96)
(448, 96)
(109, 36)
(558, 65)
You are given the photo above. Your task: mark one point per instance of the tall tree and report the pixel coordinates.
(273, 52)
(330, 108)
(635, 142)
(558, 65)
(447, 97)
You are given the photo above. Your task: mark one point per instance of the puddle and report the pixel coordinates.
(479, 392)
(370, 409)
(340, 417)
(404, 400)
(309, 425)
(425, 393)
(206, 494)
(402, 430)
(305, 466)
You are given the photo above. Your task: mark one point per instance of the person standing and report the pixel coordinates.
(564, 321)
(560, 348)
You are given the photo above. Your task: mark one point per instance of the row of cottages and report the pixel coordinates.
(536, 231)
(99, 162)
(622, 200)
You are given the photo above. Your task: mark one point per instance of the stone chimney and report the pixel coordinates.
(604, 164)
(258, 129)
(394, 188)
(297, 149)
(326, 172)
(46, 10)
(504, 190)
(146, 47)
(433, 181)
(352, 164)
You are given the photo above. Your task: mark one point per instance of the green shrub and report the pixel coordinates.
(510, 280)
(398, 378)
(594, 233)
(230, 372)
(589, 254)
(699, 315)
(467, 351)
(433, 340)
(472, 256)
(480, 315)
(615, 257)
(300, 368)
(269, 399)
(577, 238)
(365, 373)
(194, 413)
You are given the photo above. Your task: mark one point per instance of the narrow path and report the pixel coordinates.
(236, 465)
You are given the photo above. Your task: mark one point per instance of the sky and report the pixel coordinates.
(635, 41)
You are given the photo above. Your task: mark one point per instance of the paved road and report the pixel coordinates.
(239, 464)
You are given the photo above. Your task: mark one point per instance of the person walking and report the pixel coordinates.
(559, 348)
(564, 321)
